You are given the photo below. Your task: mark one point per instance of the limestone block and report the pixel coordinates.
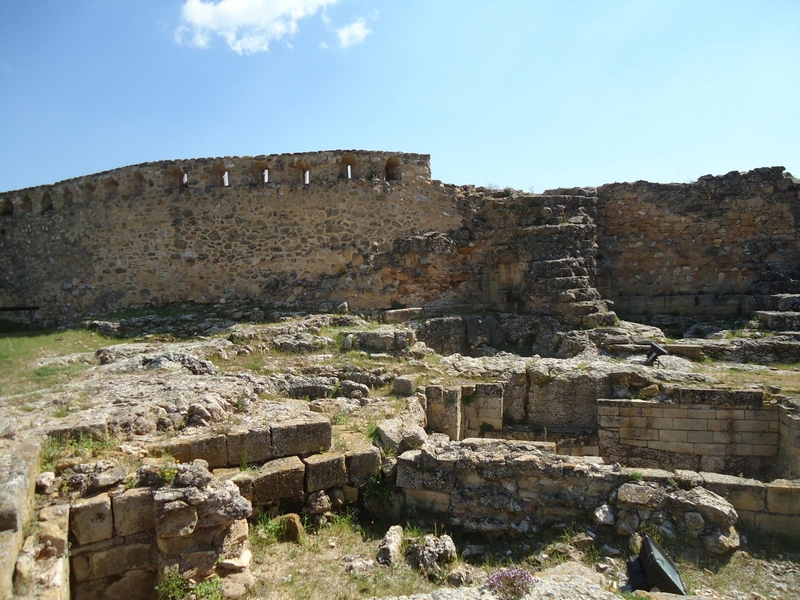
(91, 519)
(175, 519)
(784, 526)
(427, 501)
(235, 535)
(205, 538)
(303, 433)
(325, 471)
(133, 585)
(211, 447)
(242, 479)
(444, 410)
(198, 565)
(405, 385)
(251, 445)
(134, 512)
(17, 483)
(483, 409)
(446, 335)
(281, 478)
(10, 543)
(121, 559)
(712, 506)
(743, 494)
(362, 463)
(783, 497)
(634, 496)
(515, 396)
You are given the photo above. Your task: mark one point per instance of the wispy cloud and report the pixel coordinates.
(249, 26)
(353, 34)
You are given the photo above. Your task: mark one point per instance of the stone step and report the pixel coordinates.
(769, 288)
(563, 283)
(578, 295)
(778, 320)
(564, 267)
(774, 302)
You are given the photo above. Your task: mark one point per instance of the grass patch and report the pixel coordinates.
(21, 349)
(55, 448)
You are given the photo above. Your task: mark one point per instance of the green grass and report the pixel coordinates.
(20, 350)
(55, 448)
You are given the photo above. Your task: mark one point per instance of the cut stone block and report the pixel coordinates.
(743, 494)
(444, 410)
(405, 385)
(300, 433)
(134, 512)
(211, 447)
(17, 483)
(783, 497)
(175, 519)
(121, 559)
(133, 585)
(483, 409)
(324, 471)
(362, 463)
(281, 478)
(91, 519)
(251, 445)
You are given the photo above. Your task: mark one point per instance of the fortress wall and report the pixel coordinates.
(89, 245)
(663, 248)
(174, 232)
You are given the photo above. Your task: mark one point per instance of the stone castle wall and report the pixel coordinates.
(696, 248)
(368, 228)
(311, 230)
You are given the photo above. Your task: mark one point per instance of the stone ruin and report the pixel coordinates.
(542, 410)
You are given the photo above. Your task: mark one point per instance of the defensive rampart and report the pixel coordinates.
(701, 248)
(305, 231)
(312, 230)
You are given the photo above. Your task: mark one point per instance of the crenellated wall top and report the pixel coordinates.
(199, 174)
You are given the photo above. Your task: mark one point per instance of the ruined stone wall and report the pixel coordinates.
(710, 430)
(497, 486)
(695, 248)
(378, 234)
(789, 448)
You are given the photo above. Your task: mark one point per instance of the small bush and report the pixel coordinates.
(167, 473)
(511, 584)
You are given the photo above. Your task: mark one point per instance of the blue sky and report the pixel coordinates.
(527, 93)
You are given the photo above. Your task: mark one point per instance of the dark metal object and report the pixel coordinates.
(654, 353)
(654, 569)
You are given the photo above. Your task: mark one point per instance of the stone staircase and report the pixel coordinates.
(554, 241)
(776, 311)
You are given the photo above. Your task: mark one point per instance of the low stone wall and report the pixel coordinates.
(789, 448)
(499, 486)
(125, 540)
(709, 430)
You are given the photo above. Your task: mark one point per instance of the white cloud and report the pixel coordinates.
(353, 34)
(248, 26)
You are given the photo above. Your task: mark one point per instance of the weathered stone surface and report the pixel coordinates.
(318, 503)
(390, 548)
(291, 527)
(134, 511)
(634, 496)
(175, 519)
(91, 519)
(281, 478)
(122, 559)
(325, 471)
(444, 410)
(783, 497)
(362, 463)
(133, 585)
(721, 541)
(211, 447)
(604, 515)
(405, 385)
(304, 433)
(429, 556)
(249, 445)
(713, 507)
(446, 335)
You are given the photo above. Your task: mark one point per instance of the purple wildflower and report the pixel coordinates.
(511, 584)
